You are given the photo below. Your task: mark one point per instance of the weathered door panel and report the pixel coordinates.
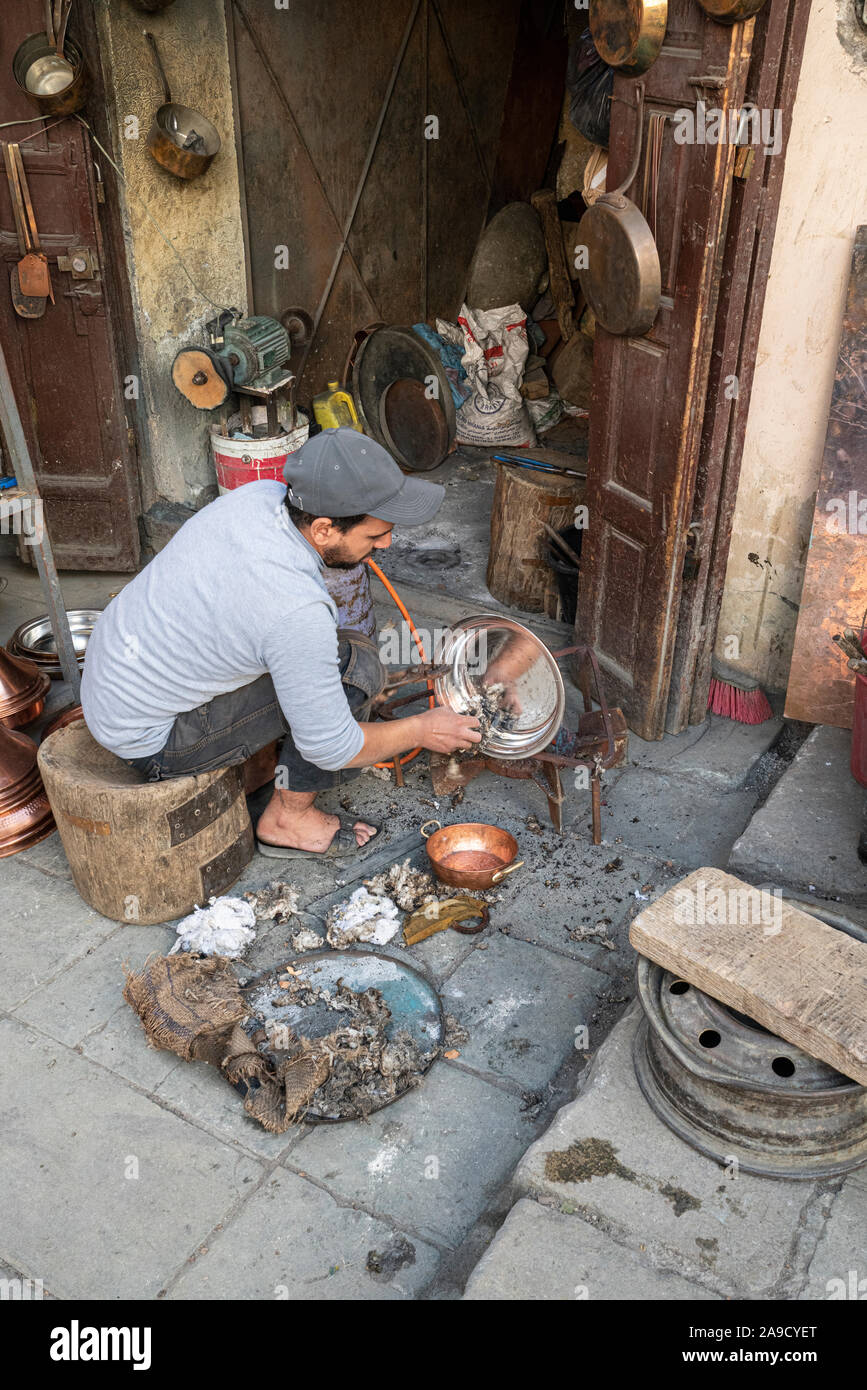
(775, 62)
(649, 392)
(63, 365)
(313, 82)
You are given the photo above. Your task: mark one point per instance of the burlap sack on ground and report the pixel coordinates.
(194, 1008)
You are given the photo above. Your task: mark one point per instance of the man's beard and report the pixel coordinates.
(333, 558)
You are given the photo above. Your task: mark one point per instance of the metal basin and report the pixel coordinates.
(733, 1090)
(35, 639)
(480, 651)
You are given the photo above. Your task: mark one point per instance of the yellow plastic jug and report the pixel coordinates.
(335, 407)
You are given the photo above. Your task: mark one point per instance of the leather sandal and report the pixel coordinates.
(342, 846)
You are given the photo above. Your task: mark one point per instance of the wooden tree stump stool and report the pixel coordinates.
(518, 570)
(143, 852)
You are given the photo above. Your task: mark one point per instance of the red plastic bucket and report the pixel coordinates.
(858, 762)
(239, 461)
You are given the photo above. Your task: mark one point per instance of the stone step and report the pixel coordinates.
(806, 835)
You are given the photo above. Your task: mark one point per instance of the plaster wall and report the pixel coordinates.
(824, 198)
(201, 219)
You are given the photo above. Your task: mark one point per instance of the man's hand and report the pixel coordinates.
(443, 731)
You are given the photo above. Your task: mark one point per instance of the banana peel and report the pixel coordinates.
(437, 916)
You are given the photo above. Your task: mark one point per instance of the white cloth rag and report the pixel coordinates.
(223, 928)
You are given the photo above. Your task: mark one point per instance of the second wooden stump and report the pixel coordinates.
(518, 571)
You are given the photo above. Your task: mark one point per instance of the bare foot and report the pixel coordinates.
(308, 829)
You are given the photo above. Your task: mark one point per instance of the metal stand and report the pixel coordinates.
(24, 501)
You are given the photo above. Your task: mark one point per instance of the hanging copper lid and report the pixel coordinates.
(25, 815)
(23, 687)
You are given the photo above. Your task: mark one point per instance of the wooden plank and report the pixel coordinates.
(821, 688)
(804, 981)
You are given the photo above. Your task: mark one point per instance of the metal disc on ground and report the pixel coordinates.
(413, 425)
(414, 1004)
(510, 262)
(733, 1090)
(390, 355)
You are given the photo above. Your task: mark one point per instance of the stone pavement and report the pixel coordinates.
(129, 1173)
(611, 1204)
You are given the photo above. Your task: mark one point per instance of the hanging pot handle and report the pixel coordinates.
(437, 823)
(504, 873)
(160, 69)
(633, 169)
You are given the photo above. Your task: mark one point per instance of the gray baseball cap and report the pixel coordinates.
(343, 473)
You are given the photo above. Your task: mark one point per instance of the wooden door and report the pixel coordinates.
(775, 64)
(64, 365)
(378, 221)
(648, 393)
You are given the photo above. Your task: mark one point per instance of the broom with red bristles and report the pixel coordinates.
(736, 696)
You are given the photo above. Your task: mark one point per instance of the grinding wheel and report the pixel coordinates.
(200, 376)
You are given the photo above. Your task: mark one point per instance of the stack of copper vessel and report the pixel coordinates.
(23, 687)
(25, 815)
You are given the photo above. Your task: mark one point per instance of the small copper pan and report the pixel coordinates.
(471, 854)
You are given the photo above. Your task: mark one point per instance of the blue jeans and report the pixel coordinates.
(231, 727)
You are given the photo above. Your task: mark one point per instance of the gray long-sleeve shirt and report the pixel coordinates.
(237, 592)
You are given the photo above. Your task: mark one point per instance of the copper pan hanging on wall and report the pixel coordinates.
(628, 34)
(622, 281)
(180, 139)
(730, 11)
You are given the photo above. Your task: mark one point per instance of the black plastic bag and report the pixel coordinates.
(590, 82)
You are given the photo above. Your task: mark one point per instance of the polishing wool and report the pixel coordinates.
(365, 917)
(223, 928)
(306, 939)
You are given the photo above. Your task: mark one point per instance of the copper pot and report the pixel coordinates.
(25, 815)
(471, 854)
(70, 715)
(180, 139)
(23, 688)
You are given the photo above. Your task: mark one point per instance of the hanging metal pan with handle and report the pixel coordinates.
(730, 11)
(628, 34)
(180, 139)
(622, 282)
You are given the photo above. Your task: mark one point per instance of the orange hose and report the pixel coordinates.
(395, 596)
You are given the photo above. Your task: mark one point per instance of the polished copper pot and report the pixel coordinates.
(471, 854)
(23, 687)
(25, 815)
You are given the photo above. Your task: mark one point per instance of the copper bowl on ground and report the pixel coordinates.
(471, 854)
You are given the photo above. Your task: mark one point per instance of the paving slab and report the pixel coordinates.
(120, 1045)
(49, 855)
(521, 1005)
(84, 996)
(69, 1213)
(838, 1269)
(541, 1255)
(580, 888)
(46, 927)
(293, 1241)
(720, 752)
(608, 1159)
(807, 832)
(431, 1161)
(203, 1095)
(676, 818)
